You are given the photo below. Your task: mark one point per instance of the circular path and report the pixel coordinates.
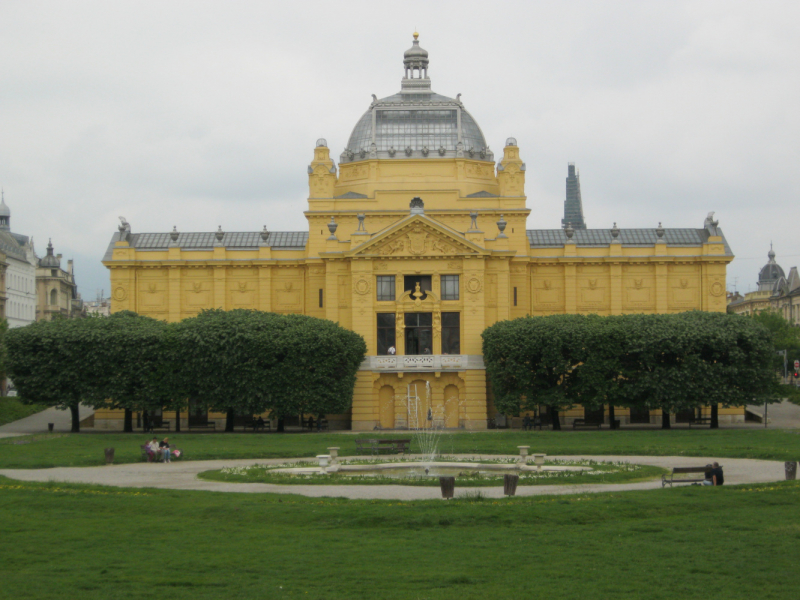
(183, 476)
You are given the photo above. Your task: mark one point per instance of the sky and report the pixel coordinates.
(205, 113)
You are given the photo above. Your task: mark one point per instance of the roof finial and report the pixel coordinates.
(416, 35)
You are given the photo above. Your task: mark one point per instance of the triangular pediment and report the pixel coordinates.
(418, 235)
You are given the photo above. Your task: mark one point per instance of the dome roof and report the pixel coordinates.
(416, 122)
(49, 260)
(770, 273)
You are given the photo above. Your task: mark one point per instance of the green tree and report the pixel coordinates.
(129, 370)
(51, 362)
(532, 361)
(251, 361)
(784, 335)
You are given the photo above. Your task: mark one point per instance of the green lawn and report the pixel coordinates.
(11, 409)
(69, 541)
(47, 450)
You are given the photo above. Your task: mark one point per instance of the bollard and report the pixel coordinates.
(448, 485)
(109, 456)
(510, 485)
(50, 427)
(791, 469)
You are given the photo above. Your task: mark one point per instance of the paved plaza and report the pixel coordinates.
(183, 476)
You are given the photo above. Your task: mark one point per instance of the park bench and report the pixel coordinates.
(209, 425)
(670, 479)
(383, 446)
(253, 424)
(165, 425)
(318, 424)
(158, 458)
(586, 423)
(700, 421)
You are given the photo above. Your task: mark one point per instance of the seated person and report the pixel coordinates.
(163, 446)
(260, 422)
(714, 476)
(152, 450)
(526, 422)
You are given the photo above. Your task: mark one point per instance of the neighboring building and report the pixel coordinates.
(412, 242)
(101, 306)
(3, 267)
(20, 274)
(573, 205)
(786, 297)
(753, 302)
(57, 290)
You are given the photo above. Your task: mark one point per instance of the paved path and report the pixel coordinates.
(183, 476)
(784, 415)
(37, 423)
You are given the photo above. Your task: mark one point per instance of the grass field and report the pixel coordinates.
(11, 409)
(50, 450)
(69, 541)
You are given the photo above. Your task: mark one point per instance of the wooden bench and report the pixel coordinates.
(164, 425)
(584, 423)
(318, 424)
(383, 446)
(158, 457)
(700, 421)
(209, 425)
(670, 479)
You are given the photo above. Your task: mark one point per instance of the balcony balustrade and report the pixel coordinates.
(423, 362)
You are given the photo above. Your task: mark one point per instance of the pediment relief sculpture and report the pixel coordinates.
(419, 240)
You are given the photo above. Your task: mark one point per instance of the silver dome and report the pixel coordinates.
(416, 123)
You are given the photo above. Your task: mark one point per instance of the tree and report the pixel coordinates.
(129, 368)
(672, 362)
(50, 362)
(252, 361)
(784, 335)
(533, 360)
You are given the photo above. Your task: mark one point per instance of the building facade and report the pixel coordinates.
(20, 274)
(56, 289)
(418, 242)
(776, 291)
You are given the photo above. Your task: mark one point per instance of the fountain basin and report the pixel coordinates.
(400, 470)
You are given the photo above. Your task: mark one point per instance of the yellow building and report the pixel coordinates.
(418, 241)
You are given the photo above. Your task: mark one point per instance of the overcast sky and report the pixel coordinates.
(199, 114)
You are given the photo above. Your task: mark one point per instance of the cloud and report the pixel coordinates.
(198, 114)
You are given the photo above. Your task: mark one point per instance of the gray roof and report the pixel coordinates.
(11, 245)
(556, 238)
(241, 240)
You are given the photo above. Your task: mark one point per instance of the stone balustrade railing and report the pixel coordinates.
(423, 362)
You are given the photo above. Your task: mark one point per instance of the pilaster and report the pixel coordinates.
(174, 294)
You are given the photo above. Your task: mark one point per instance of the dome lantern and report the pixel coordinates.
(416, 122)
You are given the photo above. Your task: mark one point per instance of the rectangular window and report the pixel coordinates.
(320, 298)
(451, 333)
(386, 333)
(385, 288)
(419, 333)
(410, 284)
(449, 287)
(515, 296)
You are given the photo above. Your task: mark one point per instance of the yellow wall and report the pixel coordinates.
(174, 284)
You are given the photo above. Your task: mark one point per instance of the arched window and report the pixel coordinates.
(53, 297)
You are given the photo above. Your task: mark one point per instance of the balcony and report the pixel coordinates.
(422, 362)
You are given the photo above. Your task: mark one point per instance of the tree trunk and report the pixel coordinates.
(554, 419)
(611, 417)
(76, 418)
(280, 428)
(229, 420)
(714, 416)
(665, 424)
(128, 427)
(177, 421)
